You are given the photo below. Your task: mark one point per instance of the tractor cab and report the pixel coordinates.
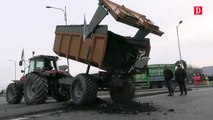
(42, 62)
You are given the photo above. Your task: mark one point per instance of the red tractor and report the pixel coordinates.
(41, 81)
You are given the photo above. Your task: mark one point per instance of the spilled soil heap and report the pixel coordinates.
(102, 106)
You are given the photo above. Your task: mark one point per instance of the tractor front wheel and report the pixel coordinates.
(14, 92)
(35, 89)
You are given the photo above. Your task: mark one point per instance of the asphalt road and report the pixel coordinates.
(197, 105)
(13, 110)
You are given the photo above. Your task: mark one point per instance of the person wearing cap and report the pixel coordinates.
(168, 75)
(180, 76)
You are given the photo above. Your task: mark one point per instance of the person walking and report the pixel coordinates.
(180, 75)
(168, 75)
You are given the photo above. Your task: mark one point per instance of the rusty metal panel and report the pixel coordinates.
(130, 17)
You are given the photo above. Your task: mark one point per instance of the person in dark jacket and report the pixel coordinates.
(180, 76)
(168, 75)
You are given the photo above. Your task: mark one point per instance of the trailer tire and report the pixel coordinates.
(122, 94)
(35, 89)
(83, 89)
(14, 92)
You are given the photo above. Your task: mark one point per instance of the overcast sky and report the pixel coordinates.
(30, 25)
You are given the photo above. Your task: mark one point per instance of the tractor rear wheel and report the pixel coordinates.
(83, 89)
(35, 89)
(122, 94)
(14, 92)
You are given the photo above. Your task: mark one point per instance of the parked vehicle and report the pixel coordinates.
(153, 77)
(41, 81)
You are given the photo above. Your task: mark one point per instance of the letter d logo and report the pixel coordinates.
(198, 10)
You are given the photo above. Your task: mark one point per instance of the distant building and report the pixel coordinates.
(208, 70)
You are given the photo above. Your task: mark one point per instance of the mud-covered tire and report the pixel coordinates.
(35, 89)
(83, 89)
(14, 92)
(122, 94)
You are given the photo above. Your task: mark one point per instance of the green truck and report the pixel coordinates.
(153, 77)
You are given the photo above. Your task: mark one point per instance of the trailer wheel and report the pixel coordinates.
(122, 94)
(14, 92)
(35, 89)
(83, 89)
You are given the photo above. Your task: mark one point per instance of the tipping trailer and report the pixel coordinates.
(120, 57)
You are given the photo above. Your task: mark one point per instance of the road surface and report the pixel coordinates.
(197, 105)
(8, 110)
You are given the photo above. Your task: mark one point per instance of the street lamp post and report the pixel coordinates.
(65, 19)
(63, 10)
(15, 67)
(179, 40)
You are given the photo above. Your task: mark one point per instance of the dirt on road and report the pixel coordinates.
(102, 106)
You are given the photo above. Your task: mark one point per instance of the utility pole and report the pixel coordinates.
(65, 19)
(179, 41)
(15, 66)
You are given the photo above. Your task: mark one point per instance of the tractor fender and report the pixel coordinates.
(52, 72)
(43, 73)
(18, 82)
(23, 79)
